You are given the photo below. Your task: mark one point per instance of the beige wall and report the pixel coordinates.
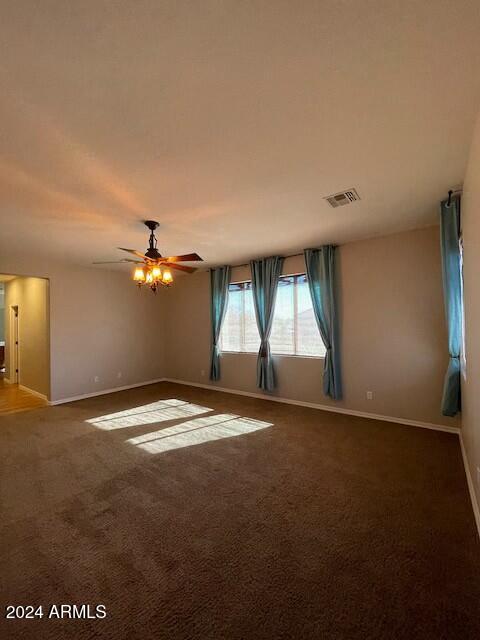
(392, 323)
(31, 297)
(471, 270)
(394, 340)
(100, 325)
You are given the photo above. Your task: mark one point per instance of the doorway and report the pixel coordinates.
(2, 331)
(25, 382)
(13, 346)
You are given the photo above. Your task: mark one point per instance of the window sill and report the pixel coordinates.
(275, 355)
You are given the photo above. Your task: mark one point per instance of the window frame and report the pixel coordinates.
(275, 354)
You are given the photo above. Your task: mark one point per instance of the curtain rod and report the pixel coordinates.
(455, 191)
(247, 264)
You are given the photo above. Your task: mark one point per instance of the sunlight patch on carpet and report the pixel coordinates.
(160, 411)
(197, 431)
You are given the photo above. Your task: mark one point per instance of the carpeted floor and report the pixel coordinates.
(193, 524)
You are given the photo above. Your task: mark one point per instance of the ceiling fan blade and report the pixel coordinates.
(134, 252)
(188, 257)
(180, 267)
(117, 261)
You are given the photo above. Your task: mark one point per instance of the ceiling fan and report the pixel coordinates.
(155, 269)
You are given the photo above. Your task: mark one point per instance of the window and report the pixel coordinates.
(239, 329)
(294, 329)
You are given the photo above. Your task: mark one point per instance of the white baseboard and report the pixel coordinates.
(311, 405)
(322, 407)
(361, 414)
(33, 392)
(104, 392)
(471, 489)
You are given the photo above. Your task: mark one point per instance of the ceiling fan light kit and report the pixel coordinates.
(153, 277)
(155, 269)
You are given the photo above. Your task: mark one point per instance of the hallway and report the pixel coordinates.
(14, 399)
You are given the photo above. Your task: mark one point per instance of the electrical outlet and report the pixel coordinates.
(202, 373)
(96, 379)
(119, 374)
(369, 395)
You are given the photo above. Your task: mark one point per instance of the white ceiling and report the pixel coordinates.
(229, 121)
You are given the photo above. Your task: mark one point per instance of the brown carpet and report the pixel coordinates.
(320, 526)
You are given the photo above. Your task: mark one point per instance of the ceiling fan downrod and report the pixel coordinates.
(152, 251)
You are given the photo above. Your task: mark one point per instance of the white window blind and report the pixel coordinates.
(239, 329)
(294, 329)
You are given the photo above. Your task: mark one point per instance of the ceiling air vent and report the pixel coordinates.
(342, 198)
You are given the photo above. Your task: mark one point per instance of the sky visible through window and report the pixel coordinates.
(294, 330)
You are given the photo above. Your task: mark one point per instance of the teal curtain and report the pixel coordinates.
(452, 291)
(321, 276)
(219, 281)
(265, 275)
